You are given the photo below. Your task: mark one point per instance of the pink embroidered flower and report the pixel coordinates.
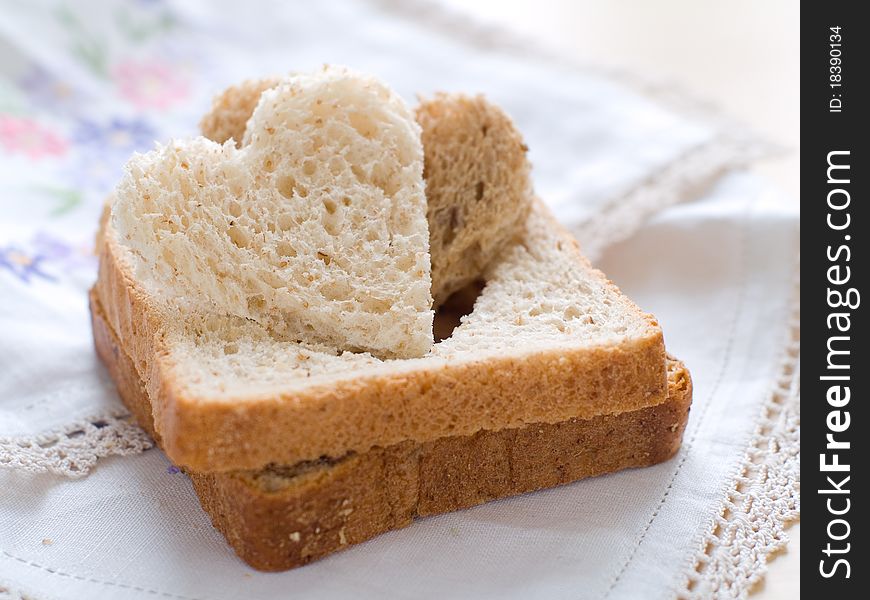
(26, 136)
(149, 84)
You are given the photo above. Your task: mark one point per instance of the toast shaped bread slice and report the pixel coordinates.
(280, 517)
(549, 339)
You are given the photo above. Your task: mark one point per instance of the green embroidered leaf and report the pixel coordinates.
(85, 45)
(10, 100)
(92, 53)
(66, 199)
(139, 30)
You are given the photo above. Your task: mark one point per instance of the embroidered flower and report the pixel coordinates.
(69, 256)
(149, 84)
(93, 172)
(118, 135)
(47, 255)
(26, 136)
(104, 148)
(22, 265)
(48, 92)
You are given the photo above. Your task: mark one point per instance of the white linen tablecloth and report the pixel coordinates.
(87, 511)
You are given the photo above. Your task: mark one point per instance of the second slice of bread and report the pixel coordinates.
(478, 186)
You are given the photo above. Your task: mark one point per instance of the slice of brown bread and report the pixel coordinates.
(477, 186)
(231, 109)
(281, 517)
(477, 176)
(549, 339)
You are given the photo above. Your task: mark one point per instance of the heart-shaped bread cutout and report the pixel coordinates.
(478, 183)
(316, 228)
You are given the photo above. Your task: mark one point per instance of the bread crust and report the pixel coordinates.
(278, 518)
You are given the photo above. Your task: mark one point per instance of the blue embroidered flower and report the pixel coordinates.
(103, 148)
(94, 173)
(47, 92)
(57, 250)
(118, 136)
(45, 256)
(22, 265)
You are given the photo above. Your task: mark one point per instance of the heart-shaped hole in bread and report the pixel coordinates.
(315, 228)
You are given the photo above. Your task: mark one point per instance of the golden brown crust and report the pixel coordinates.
(281, 517)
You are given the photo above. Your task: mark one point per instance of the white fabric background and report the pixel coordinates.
(718, 274)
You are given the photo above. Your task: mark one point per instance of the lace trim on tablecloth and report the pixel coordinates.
(763, 497)
(74, 448)
(9, 591)
(682, 181)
